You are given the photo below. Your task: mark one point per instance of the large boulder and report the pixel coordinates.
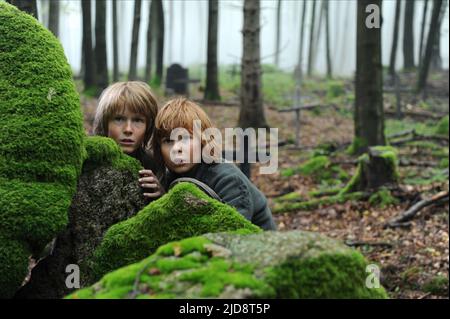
(108, 192)
(41, 142)
(292, 264)
(185, 211)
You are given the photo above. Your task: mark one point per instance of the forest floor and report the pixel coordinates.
(413, 260)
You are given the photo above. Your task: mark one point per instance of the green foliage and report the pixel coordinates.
(335, 89)
(393, 126)
(183, 212)
(443, 163)
(41, 144)
(442, 127)
(438, 285)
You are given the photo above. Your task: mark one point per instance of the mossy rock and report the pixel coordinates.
(183, 212)
(108, 192)
(41, 143)
(293, 264)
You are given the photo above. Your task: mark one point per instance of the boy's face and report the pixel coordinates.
(128, 130)
(178, 155)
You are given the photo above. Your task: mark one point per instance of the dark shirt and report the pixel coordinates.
(235, 189)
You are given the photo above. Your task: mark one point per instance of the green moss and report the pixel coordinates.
(291, 197)
(265, 265)
(286, 206)
(335, 89)
(442, 127)
(443, 163)
(383, 198)
(183, 212)
(105, 151)
(357, 144)
(41, 144)
(438, 285)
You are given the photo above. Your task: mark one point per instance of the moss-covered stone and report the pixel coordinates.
(41, 142)
(183, 212)
(292, 264)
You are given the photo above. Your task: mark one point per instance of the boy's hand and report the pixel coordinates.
(150, 183)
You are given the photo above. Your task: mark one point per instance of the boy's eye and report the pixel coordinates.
(139, 120)
(119, 118)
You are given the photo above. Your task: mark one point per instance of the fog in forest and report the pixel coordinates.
(186, 33)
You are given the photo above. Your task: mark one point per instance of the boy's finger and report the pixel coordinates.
(152, 195)
(147, 179)
(149, 185)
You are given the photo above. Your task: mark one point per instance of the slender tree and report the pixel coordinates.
(115, 42)
(159, 41)
(398, 8)
(436, 16)
(100, 45)
(300, 44)
(53, 19)
(408, 35)
(148, 58)
(369, 114)
(278, 34)
(212, 76)
(132, 73)
(28, 6)
(311, 38)
(436, 60)
(252, 111)
(327, 35)
(88, 65)
(422, 30)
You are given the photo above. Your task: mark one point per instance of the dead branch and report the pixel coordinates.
(368, 243)
(411, 212)
(419, 137)
(416, 115)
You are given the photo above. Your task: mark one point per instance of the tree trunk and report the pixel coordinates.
(170, 38)
(369, 115)
(422, 31)
(311, 38)
(115, 42)
(88, 65)
(100, 45)
(53, 19)
(212, 76)
(436, 60)
(300, 45)
(327, 34)
(318, 33)
(398, 8)
(252, 111)
(28, 6)
(277, 34)
(408, 35)
(148, 58)
(135, 40)
(159, 36)
(432, 34)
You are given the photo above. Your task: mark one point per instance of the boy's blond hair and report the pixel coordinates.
(136, 96)
(180, 112)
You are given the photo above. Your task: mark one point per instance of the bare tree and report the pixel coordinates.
(159, 41)
(115, 42)
(53, 17)
(369, 114)
(327, 34)
(408, 35)
(88, 65)
(436, 60)
(28, 6)
(422, 30)
(311, 38)
(155, 42)
(436, 16)
(300, 44)
(132, 73)
(212, 76)
(277, 34)
(398, 8)
(100, 45)
(252, 111)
